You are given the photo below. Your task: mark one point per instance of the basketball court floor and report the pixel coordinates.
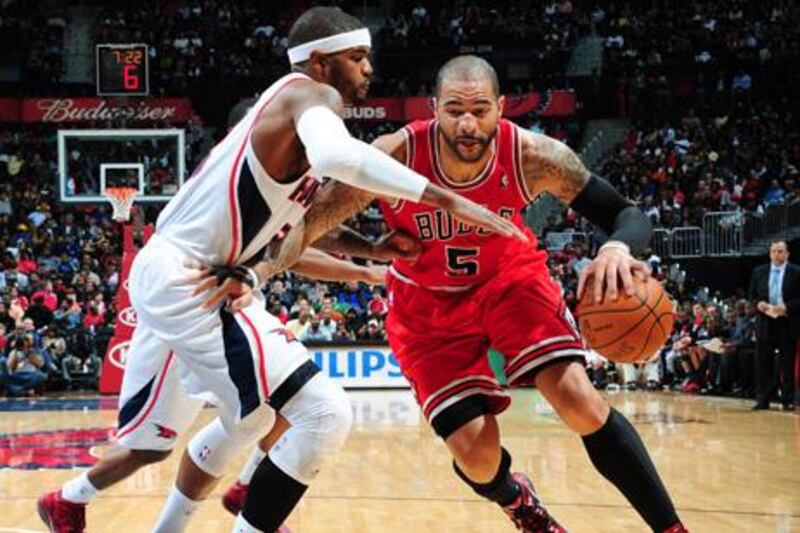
(729, 469)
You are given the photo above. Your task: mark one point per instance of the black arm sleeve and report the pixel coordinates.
(616, 216)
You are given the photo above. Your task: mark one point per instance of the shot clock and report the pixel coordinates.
(122, 70)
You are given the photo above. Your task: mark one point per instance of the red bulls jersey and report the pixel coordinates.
(456, 255)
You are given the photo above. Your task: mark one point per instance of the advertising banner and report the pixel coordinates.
(358, 367)
(543, 103)
(96, 110)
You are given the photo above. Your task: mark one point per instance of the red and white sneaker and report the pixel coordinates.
(60, 515)
(677, 528)
(528, 513)
(233, 502)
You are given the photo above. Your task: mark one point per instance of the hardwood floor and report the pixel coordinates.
(727, 468)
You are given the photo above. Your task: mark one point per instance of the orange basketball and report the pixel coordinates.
(632, 328)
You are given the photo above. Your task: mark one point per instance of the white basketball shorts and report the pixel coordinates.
(239, 361)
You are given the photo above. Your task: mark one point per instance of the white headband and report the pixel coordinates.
(330, 45)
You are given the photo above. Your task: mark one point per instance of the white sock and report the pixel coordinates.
(176, 513)
(243, 526)
(79, 489)
(256, 456)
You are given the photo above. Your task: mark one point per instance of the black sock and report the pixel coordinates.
(271, 497)
(618, 453)
(502, 489)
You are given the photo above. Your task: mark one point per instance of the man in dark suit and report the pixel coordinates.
(776, 289)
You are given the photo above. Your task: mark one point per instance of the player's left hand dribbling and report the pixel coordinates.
(609, 267)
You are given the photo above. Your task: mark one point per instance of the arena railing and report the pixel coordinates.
(660, 242)
(686, 242)
(723, 233)
(755, 226)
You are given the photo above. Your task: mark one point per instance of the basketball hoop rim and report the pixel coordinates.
(121, 199)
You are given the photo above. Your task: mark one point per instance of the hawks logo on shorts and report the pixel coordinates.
(165, 432)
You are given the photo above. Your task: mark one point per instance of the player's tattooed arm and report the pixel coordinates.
(337, 202)
(334, 204)
(551, 166)
(347, 241)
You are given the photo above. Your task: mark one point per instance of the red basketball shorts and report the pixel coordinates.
(441, 340)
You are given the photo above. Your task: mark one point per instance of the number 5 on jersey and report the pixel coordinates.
(462, 262)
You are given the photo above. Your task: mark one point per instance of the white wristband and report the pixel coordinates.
(615, 244)
(254, 275)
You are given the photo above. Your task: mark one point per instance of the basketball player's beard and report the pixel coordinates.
(351, 93)
(470, 158)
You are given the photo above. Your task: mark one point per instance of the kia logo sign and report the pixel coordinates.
(119, 354)
(128, 317)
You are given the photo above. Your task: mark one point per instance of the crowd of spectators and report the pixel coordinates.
(34, 38)
(239, 45)
(666, 56)
(547, 32)
(739, 158)
(707, 85)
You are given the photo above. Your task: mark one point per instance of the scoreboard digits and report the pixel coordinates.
(122, 70)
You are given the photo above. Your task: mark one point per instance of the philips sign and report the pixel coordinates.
(360, 366)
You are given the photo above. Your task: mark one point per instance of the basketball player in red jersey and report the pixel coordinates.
(470, 290)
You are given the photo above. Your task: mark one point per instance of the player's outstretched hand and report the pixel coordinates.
(611, 265)
(397, 245)
(471, 213)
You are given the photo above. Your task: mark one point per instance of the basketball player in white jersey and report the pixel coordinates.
(254, 186)
(149, 435)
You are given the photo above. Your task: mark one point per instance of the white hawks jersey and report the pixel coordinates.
(231, 209)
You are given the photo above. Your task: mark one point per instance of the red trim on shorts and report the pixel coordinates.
(153, 399)
(262, 363)
(234, 176)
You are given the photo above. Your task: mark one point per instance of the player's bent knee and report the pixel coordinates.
(579, 405)
(321, 417)
(336, 419)
(213, 447)
(148, 457)
(467, 447)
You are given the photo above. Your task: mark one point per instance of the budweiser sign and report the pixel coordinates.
(66, 110)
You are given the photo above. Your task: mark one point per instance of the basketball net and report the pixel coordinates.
(121, 199)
